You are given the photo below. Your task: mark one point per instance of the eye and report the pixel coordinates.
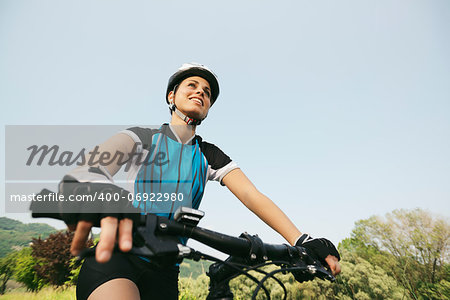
(208, 93)
(191, 84)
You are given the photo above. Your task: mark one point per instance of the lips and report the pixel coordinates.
(197, 100)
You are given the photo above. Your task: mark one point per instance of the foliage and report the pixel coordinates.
(359, 280)
(75, 264)
(193, 269)
(25, 270)
(10, 224)
(243, 287)
(191, 289)
(7, 265)
(15, 235)
(56, 261)
(74, 267)
(412, 246)
(54, 257)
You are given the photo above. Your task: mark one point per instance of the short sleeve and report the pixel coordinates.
(141, 136)
(219, 164)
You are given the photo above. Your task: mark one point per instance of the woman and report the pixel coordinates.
(185, 163)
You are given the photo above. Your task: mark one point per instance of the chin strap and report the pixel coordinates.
(189, 121)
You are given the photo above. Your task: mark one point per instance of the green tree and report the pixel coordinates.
(412, 246)
(75, 265)
(243, 287)
(7, 265)
(191, 268)
(25, 270)
(193, 288)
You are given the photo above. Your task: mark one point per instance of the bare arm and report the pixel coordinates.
(261, 205)
(119, 148)
(266, 210)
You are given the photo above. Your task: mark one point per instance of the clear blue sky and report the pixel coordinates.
(337, 110)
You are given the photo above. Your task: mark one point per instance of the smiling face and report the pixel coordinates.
(192, 97)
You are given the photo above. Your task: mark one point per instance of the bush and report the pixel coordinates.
(25, 271)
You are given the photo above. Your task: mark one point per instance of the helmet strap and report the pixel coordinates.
(189, 121)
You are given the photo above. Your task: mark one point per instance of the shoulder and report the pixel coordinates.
(214, 155)
(141, 135)
(219, 164)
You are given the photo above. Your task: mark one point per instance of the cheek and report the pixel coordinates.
(181, 93)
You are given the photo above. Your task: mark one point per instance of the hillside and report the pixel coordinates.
(15, 234)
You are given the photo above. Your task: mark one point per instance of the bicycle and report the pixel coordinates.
(158, 239)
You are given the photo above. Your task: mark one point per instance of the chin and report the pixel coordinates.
(195, 114)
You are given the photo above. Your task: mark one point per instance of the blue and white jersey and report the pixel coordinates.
(166, 174)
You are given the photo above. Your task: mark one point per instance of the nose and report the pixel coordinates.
(199, 91)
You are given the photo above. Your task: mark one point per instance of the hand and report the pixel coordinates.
(110, 229)
(115, 217)
(323, 250)
(333, 263)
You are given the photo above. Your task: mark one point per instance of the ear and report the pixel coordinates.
(170, 97)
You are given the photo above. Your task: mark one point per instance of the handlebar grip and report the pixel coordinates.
(47, 215)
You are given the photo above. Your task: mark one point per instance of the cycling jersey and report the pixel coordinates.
(165, 173)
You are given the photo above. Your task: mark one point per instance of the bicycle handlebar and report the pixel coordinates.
(158, 238)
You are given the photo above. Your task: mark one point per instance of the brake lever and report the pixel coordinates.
(324, 272)
(317, 267)
(312, 265)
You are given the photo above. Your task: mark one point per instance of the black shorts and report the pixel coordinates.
(153, 282)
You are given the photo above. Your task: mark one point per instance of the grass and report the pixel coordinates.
(47, 293)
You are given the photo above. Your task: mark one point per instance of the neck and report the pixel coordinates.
(184, 131)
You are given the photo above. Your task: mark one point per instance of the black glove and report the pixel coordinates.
(119, 204)
(320, 248)
(101, 199)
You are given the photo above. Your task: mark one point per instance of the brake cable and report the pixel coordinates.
(199, 255)
(233, 265)
(271, 275)
(256, 269)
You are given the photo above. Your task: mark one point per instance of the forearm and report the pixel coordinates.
(273, 216)
(261, 205)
